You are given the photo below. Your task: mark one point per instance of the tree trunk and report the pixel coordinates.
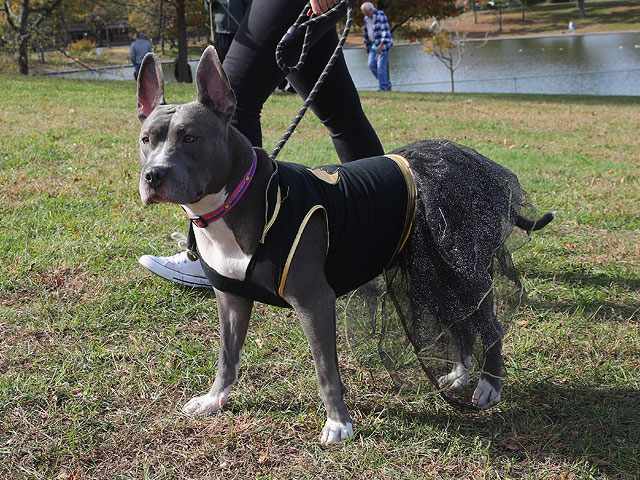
(523, 19)
(580, 5)
(23, 55)
(20, 24)
(161, 29)
(183, 75)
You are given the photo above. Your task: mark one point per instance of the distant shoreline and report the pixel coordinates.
(514, 37)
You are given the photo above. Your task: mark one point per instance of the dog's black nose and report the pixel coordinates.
(155, 176)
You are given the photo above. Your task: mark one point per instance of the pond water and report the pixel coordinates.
(595, 64)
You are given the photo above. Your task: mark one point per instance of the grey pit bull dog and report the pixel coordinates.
(191, 156)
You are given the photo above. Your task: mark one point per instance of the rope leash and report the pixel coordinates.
(307, 23)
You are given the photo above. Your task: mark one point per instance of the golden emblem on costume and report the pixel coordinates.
(330, 178)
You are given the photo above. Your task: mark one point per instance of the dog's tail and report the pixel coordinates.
(533, 225)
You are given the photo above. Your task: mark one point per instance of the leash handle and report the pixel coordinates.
(293, 32)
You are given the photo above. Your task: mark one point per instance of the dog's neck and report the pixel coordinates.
(245, 220)
(215, 206)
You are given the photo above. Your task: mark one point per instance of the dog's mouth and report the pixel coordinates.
(164, 195)
(199, 196)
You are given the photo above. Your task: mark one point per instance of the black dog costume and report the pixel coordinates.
(453, 205)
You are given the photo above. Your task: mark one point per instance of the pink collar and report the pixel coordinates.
(203, 220)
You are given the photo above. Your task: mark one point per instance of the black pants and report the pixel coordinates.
(252, 70)
(253, 73)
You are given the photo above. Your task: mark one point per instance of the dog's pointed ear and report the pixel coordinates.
(150, 86)
(213, 86)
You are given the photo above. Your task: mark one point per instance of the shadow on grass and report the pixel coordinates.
(609, 309)
(541, 420)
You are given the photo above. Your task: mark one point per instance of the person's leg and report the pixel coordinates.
(253, 73)
(250, 63)
(383, 70)
(337, 103)
(372, 63)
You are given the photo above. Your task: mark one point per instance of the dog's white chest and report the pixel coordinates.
(217, 244)
(218, 247)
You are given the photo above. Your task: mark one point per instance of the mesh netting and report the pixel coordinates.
(454, 279)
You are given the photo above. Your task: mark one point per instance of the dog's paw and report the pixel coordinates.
(457, 379)
(208, 403)
(485, 395)
(336, 432)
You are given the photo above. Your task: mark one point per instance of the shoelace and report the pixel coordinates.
(181, 239)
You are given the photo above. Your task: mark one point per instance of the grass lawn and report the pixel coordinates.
(97, 355)
(551, 19)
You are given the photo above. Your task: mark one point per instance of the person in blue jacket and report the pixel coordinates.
(139, 48)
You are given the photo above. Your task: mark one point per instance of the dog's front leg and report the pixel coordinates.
(234, 313)
(308, 292)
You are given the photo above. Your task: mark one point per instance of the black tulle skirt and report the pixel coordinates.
(456, 263)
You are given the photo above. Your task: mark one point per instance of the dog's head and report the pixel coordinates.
(183, 148)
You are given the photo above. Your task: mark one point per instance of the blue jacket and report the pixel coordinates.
(139, 48)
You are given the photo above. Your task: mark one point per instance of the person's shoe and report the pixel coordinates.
(178, 268)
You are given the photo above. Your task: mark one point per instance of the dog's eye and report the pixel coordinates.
(189, 139)
(145, 140)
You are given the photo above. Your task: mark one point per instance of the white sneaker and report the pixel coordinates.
(178, 268)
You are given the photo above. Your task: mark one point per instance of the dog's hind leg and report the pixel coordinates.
(234, 313)
(487, 393)
(459, 376)
(309, 293)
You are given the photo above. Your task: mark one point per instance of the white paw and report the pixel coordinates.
(485, 395)
(458, 378)
(208, 403)
(336, 432)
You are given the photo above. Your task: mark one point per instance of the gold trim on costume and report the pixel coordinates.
(294, 246)
(272, 220)
(412, 194)
(330, 178)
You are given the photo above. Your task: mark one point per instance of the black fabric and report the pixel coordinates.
(468, 207)
(366, 209)
(455, 279)
(253, 73)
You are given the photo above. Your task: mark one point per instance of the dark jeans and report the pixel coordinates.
(253, 73)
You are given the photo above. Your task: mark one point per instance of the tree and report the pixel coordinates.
(580, 5)
(498, 5)
(181, 22)
(172, 20)
(24, 19)
(527, 3)
(403, 14)
(448, 47)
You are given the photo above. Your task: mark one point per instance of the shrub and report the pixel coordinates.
(82, 48)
